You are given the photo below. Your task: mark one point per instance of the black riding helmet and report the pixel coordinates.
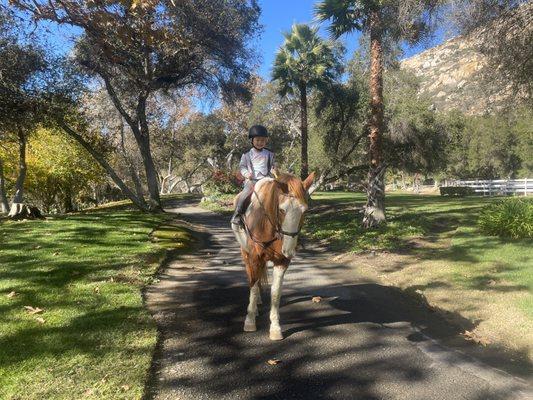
(257, 131)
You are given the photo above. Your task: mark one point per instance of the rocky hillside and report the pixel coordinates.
(451, 75)
(456, 76)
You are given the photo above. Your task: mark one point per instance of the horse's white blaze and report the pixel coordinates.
(293, 215)
(275, 294)
(249, 322)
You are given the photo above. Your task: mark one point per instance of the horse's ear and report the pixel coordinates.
(309, 181)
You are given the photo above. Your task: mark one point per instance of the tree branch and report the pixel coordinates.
(103, 163)
(116, 101)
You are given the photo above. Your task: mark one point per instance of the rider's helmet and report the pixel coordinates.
(257, 131)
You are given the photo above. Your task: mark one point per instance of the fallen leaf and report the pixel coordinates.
(12, 294)
(37, 247)
(273, 361)
(97, 290)
(316, 299)
(125, 387)
(56, 253)
(40, 320)
(33, 310)
(472, 336)
(88, 392)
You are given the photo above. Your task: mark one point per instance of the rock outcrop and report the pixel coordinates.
(455, 75)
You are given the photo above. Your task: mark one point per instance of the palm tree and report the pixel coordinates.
(406, 20)
(303, 62)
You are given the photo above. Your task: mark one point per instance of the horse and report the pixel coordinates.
(272, 224)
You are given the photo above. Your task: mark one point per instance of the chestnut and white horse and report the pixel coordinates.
(272, 224)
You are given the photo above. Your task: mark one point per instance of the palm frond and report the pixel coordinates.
(345, 15)
(305, 57)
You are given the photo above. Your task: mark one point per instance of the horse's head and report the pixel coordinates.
(292, 205)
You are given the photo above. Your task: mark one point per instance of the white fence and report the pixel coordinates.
(522, 187)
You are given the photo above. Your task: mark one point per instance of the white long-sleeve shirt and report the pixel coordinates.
(256, 164)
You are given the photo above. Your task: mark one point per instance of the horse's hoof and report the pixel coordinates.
(249, 327)
(276, 335)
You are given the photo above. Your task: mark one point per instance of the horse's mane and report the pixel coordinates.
(294, 186)
(269, 191)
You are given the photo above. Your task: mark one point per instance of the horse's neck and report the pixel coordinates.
(261, 220)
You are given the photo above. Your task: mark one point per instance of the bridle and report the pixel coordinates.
(279, 232)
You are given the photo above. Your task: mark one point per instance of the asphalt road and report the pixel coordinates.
(362, 341)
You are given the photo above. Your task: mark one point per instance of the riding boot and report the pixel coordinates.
(237, 219)
(240, 207)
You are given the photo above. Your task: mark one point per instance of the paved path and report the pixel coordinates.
(363, 341)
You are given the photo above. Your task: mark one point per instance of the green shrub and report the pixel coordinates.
(511, 218)
(459, 191)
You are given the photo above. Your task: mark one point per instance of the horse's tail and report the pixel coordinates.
(258, 273)
(256, 269)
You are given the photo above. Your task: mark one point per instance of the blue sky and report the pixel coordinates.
(278, 16)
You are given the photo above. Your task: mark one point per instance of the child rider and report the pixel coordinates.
(256, 164)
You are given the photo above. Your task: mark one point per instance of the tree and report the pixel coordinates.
(303, 62)
(415, 139)
(383, 20)
(340, 114)
(21, 95)
(60, 172)
(489, 147)
(139, 48)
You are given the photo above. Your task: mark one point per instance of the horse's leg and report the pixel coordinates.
(249, 322)
(277, 282)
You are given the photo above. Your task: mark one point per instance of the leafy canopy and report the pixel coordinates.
(407, 20)
(152, 44)
(305, 60)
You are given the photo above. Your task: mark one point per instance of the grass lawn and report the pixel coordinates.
(222, 203)
(432, 245)
(72, 320)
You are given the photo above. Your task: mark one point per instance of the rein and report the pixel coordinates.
(277, 227)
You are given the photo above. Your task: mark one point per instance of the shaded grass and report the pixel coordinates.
(336, 217)
(432, 244)
(86, 272)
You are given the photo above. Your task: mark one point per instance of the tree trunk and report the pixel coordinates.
(133, 173)
(19, 185)
(68, 205)
(104, 164)
(142, 136)
(4, 204)
(139, 126)
(375, 206)
(304, 171)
